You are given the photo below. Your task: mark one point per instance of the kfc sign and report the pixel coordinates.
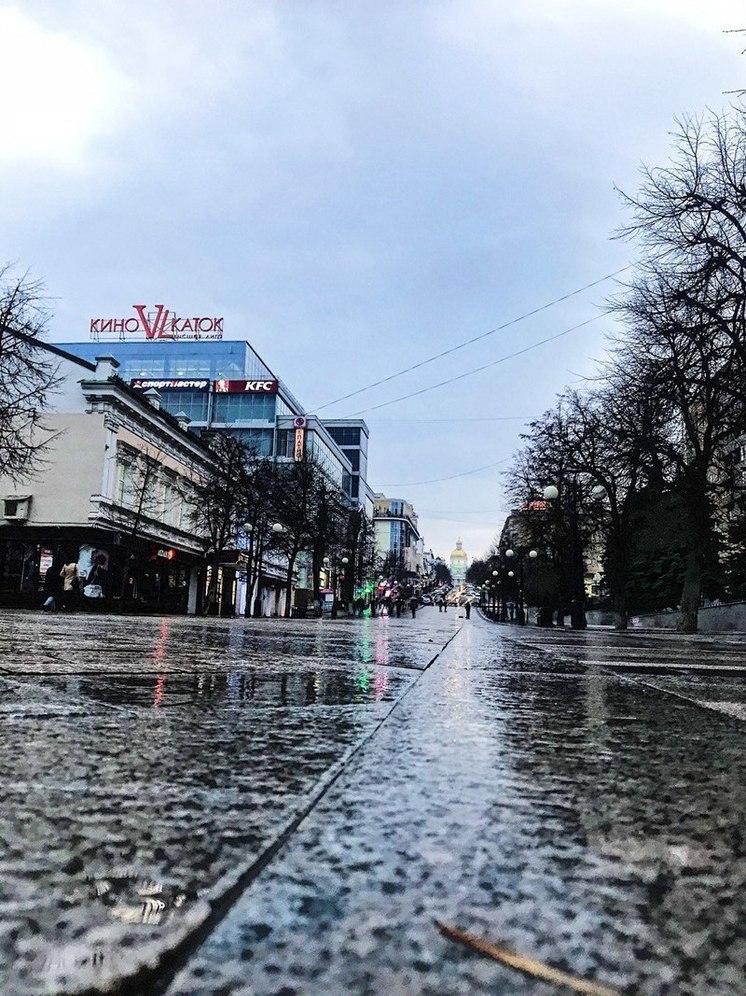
(158, 324)
(246, 386)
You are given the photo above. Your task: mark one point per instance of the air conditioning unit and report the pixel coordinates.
(16, 507)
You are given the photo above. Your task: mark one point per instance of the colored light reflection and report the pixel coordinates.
(380, 684)
(362, 678)
(159, 651)
(160, 691)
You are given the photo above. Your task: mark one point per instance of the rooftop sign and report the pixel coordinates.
(174, 384)
(158, 324)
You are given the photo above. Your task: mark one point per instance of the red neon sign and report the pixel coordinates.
(246, 386)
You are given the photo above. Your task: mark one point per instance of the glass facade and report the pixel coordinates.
(352, 438)
(195, 404)
(260, 440)
(260, 419)
(229, 408)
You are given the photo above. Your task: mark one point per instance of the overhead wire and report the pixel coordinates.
(476, 338)
(479, 369)
(451, 477)
(481, 418)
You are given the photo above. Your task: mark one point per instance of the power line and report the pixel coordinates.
(469, 342)
(437, 480)
(486, 418)
(485, 366)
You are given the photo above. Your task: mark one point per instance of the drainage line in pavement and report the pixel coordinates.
(155, 981)
(613, 671)
(627, 679)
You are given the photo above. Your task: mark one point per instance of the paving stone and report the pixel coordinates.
(520, 788)
(576, 817)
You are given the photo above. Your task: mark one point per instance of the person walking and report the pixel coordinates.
(467, 609)
(413, 606)
(69, 575)
(440, 604)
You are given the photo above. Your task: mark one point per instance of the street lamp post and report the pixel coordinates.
(277, 530)
(577, 585)
(521, 612)
(346, 599)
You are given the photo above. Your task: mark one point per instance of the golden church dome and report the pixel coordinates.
(459, 553)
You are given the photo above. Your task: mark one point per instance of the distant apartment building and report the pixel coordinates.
(398, 537)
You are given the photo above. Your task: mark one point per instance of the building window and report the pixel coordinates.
(192, 403)
(259, 440)
(344, 436)
(229, 408)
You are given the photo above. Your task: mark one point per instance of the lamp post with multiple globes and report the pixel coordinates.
(510, 554)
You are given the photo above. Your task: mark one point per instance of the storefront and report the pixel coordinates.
(114, 574)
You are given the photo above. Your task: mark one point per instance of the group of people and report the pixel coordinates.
(392, 605)
(70, 580)
(442, 604)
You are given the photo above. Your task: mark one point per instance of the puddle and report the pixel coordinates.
(236, 689)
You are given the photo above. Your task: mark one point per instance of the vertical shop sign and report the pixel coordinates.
(300, 439)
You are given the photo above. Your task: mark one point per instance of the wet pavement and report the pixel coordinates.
(268, 807)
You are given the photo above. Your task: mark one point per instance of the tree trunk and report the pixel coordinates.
(620, 610)
(690, 592)
(249, 578)
(289, 585)
(211, 598)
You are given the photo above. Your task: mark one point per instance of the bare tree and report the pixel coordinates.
(692, 366)
(139, 502)
(258, 489)
(217, 503)
(28, 375)
(685, 317)
(309, 507)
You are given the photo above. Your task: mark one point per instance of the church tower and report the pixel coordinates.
(459, 563)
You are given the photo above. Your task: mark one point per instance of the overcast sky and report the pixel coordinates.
(356, 186)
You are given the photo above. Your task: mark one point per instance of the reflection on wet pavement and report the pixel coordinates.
(537, 802)
(146, 763)
(519, 789)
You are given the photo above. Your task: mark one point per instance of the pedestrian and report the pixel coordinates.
(399, 603)
(413, 606)
(69, 575)
(445, 605)
(467, 608)
(440, 604)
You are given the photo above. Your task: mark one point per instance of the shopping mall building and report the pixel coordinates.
(225, 385)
